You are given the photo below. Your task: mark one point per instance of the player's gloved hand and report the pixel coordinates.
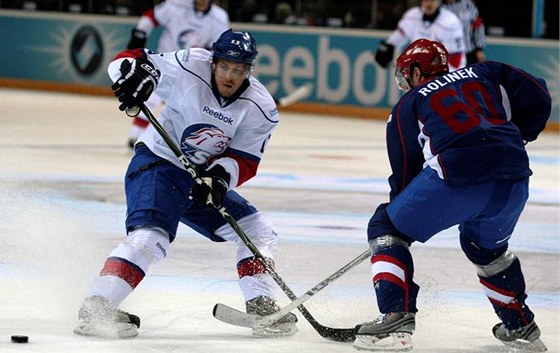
(384, 54)
(137, 82)
(137, 39)
(212, 192)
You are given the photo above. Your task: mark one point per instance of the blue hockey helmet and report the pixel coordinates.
(236, 46)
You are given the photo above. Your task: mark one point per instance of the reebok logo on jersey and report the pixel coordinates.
(217, 115)
(161, 248)
(446, 79)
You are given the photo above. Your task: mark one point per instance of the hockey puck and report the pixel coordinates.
(20, 339)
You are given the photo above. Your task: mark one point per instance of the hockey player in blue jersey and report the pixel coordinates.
(456, 145)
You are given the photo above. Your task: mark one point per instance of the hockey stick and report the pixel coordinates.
(235, 317)
(335, 334)
(294, 97)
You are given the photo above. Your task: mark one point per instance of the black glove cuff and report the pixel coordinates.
(384, 54)
(147, 66)
(218, 172)
(137, 39)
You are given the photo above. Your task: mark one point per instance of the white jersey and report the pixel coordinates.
(184, 27)
(446, 28)
(208, 128)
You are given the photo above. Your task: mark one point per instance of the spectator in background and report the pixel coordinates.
(284, 14)
(430, 21)
(473, 28)
(186, 24)
(247, 11)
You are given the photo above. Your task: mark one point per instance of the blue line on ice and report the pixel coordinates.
(342, 229)
(291, 181)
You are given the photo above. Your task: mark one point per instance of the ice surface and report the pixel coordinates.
(63, 157)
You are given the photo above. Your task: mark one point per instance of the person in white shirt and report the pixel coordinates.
(222, 118)
(429, 21)
(186, 24)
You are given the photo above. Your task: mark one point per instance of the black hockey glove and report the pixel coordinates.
(384, 54)
(212, 192)
(137, 39)
(137, 82)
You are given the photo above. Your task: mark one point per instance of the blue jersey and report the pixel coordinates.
(468, 125)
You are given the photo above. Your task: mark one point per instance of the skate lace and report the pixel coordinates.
(98, 308)
(376, 321)
(264, 306)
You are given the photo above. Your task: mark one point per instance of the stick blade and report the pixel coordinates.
(234, 317)
(338, 334)
(297, 95)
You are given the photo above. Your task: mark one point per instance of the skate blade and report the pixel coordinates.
(395, 342)
(527, 346)
(111, 331)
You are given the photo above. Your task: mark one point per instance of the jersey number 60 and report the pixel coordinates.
(462, 117)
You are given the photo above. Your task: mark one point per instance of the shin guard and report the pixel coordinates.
(393, 269)
(506, 292)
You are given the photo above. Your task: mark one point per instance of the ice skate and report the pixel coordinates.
(97, 317)
(286, 326)
(389, 333)
(526, 338)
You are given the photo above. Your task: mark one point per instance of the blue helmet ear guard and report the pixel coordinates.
(236, 46)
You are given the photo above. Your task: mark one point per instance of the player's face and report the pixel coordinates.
(402, 82)
(405, 84)
(201, 5)
(429, 7)
(229, 76)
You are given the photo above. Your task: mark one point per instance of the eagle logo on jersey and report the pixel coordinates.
(202, 141)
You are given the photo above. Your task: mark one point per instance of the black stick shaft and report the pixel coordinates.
(344, 335)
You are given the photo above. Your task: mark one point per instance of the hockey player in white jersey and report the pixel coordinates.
(222, 118)
(186, 24)
(430, 21)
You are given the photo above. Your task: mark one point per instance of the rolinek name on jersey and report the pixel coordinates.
(217, 115)
(447, 78)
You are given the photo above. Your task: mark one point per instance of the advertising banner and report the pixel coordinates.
(338, 63)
